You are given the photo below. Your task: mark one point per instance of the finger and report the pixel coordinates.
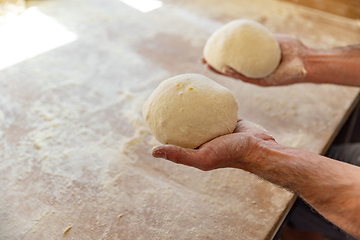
(234, 74)
(228, 71)
(179, 155)
(214, 70)
(253, 128)
(245, 125)
(259, 82)
(238, 127)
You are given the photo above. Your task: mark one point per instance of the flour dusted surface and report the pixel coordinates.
(75, 149)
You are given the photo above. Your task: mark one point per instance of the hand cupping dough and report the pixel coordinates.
(190, 109)
(244, 45)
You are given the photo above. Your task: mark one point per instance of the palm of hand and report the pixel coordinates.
(231, 150)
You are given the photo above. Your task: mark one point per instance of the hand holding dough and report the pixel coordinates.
(244, 45)
(290, 70)
(190, 109)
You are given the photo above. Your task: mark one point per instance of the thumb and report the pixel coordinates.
(228, 71)
(179, 155)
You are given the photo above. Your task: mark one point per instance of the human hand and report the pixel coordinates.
(290, 70)
(232, 150)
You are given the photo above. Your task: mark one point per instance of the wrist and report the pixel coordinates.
(273, 162)
(302, 172)
(335, 66)
(316, 62)
(287, 167)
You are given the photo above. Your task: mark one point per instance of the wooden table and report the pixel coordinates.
(75, 150)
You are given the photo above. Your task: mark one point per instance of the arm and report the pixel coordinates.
(302, 64)
(330, 186)
(338, 66)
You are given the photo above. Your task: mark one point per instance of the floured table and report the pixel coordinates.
(75, 150)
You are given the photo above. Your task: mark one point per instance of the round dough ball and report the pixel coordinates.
(244, 45)
(190, 109)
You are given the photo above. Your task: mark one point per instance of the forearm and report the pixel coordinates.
(337, 66)
(330, 186)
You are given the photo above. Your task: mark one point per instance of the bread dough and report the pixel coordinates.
(246, 46)
(190, 109)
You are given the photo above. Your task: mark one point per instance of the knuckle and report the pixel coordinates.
(175, 158)
(207, 159)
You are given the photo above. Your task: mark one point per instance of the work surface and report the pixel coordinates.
(75, 150)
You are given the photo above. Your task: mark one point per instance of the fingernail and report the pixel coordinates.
(227, 70)
(159, 154)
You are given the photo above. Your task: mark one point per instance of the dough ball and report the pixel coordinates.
(244, 45)
(190, 109)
